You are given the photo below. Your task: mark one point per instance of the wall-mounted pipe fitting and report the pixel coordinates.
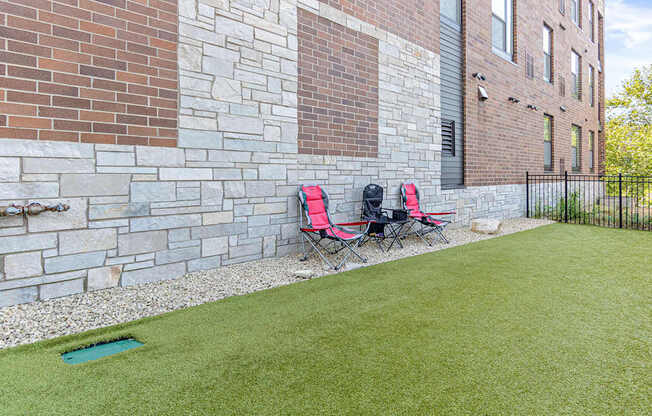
(34, 208)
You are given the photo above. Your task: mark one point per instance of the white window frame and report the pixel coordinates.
(575, 11)
(508, 53)
(547, 142)
(591, 150)
(592, 21)
(576, 76)
(576, 162)
(592, 85)
(547, 55)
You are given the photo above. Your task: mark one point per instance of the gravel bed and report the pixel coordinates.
(23, 324)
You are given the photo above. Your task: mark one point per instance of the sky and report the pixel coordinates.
(628, 39)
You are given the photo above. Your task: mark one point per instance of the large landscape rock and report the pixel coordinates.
(486, 226)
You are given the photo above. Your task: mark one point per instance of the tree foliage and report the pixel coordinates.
(628, 144)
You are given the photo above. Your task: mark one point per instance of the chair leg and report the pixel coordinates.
(351, 251)
(315, 246)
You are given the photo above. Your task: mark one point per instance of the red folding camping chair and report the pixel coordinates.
(321, 233)
(425, 222)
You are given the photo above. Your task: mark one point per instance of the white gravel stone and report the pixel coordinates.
(31, 322)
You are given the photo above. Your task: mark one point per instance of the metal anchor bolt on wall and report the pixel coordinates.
(35, 208)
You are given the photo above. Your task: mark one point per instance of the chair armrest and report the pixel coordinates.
(353, 224)
(440, 213)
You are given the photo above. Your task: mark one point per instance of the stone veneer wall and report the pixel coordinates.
(226, 194)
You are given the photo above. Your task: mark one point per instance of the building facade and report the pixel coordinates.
(178, 132)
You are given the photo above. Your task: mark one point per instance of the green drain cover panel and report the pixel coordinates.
(98, 351)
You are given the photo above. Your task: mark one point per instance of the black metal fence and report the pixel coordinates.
(617, 201)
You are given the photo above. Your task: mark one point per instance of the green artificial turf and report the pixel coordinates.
(553, 321)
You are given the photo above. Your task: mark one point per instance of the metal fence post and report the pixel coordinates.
(620, 199)
(527, 194)
(566, 196)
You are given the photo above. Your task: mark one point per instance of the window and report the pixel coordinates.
(591, 25)
(502, 27)
(591, 147)
(592, 86)
(547, 143)
(562, 6)
(452, 10)
(576, 75)
(547, 53)
(575, 11)
(576, 139)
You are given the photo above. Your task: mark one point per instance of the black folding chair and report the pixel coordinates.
(383, 227)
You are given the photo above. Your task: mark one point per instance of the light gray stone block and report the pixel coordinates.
(200, 139)
(83, 241)
(18, 296)
(217, 66)
(94, 184)
(238, 124)
(29, 242)
(190, 57)
(205, 263)
(249, 145)
(204, 104)
(100, 212)
(256, 189)
(9, 169)
(160, 156)
(212, 193)
(60, 289)
(136, 243)
(74, 218)
(245, 250)
(153, 191)
(104, 277)
(24, 190)
(115, 159)
(177, 255)
(179, 234)
(270, 208)
(277, 172)
(23, 265)
(186, 174)
(212, 218)
(74, 262)
(34, 148)
(227, 174)
(52, 165)
(219, 230)
(214, 246)
(165, 222)
(154, 274)
(196, 33)
(234, 29)
(227, 90)
(234, 189)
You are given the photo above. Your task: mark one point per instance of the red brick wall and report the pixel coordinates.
(89, 71)
(503, 140)
(414, 20)
(338, 89)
